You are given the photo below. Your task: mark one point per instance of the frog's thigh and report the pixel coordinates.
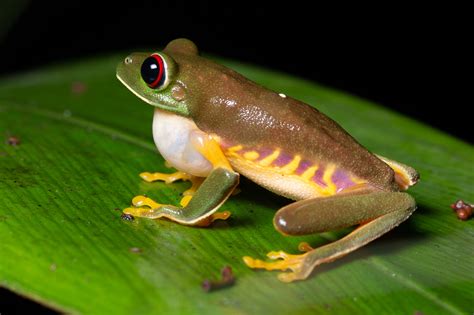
(377, 213)
(327, 214)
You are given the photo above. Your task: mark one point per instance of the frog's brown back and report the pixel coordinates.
(244, 113)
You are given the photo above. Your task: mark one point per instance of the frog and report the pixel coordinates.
(214, 125)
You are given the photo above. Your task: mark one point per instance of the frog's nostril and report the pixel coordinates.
(128, 60)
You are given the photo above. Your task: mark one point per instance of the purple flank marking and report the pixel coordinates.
(342, 180)
(282, 159)
(303, 166)
(318, 177)
(263, 153)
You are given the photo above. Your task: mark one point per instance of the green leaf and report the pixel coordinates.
(84, 139)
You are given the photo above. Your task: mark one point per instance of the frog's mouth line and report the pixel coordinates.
(134, 92)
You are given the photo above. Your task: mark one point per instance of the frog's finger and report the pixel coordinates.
(285, 262)
(167, 178)
(144, 212)
(140, 201)
(189, 193)
(277, 254)
(304, 247)
(196, 183)
(224, 215)
(185, 200)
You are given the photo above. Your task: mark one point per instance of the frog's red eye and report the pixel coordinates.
(153, 71)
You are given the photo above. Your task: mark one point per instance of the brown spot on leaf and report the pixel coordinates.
(135, 250)
(78, 87)
(13, 141)
(227, 280)
(462, 209)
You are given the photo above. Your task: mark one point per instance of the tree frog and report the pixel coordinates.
(213, 125)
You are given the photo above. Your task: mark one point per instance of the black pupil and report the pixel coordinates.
(150, 71)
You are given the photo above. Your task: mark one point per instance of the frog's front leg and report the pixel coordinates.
(375, 212)
(171, 178)
(199, 206)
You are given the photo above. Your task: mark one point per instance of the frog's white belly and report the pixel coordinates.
(172, 135)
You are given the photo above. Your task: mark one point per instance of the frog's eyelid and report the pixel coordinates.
(161, 73)
(165, 79)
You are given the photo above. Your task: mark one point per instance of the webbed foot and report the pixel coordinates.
(144, 207)
(224, 215)
(167, 178)
(285, 261)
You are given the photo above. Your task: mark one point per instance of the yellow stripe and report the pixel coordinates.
(291, 167)
(269, 159)
(251, 155)
(309, 173)
(216, 137)
(232, 151)
(331, 187)
(235, 148)
(211, 150)
(357, 181)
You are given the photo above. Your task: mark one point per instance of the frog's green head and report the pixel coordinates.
(155, 77)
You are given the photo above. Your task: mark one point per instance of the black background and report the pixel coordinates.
(406, 58)
(411, 59)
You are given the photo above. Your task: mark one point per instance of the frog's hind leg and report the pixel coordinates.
(376, 213)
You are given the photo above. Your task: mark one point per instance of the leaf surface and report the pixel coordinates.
(84, 140)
